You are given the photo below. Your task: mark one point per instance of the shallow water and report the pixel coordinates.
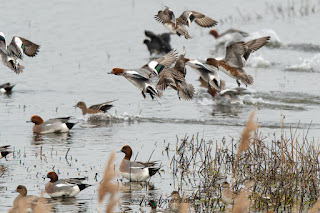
(82, 41)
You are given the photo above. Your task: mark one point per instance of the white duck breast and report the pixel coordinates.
(169, 26)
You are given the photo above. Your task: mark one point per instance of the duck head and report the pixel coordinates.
(212, 61)
(22, 190)
(52, 176)
(175, 194)
(117, 71)
(152, 204)
(214, 33)
(128, 151)
(36, 119)
(81, 105)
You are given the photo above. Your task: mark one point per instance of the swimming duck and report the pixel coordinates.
(177, 26)
(54, 125)
(23, 202)
(175, 202)
(64, 187)
(135, 171)
(228, 195)
(11, 54)
(236, 56)
(6, 88)
(4, 151)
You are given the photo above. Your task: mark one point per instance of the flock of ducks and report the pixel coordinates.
(170, 72)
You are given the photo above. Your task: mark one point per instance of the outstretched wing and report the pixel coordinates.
(187, 17)
(234, 54)
(156, 66)
(20, 46)
(256, 44)
(165, 16)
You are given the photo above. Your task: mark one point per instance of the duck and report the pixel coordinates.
(141, 77)
(4, 151)
(23, 202)
(97, 108)
(234, 35)
(177, 26)
(229, 94)
(53, 125)
(6, 88)
(18, 47)
(236, 56)
(159, 44)
(208, 73)
(153, 206)
(175, 78)
(64, 187)
(175, 202)
(228, 195)
(135, 171)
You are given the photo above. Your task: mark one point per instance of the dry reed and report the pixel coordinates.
(108, 187)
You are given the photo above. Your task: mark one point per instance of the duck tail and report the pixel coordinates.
(246, 79)
(82, 186)
(186, 91)
(70, 125)
(153, 171)
(4, 153)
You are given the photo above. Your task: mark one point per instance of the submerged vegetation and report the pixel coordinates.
(283, 171)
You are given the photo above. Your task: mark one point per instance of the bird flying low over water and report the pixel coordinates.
(175, 78)
(208, 73)
(159, 44)
(97, 108)
(236, 57)
(11, 54)
(141, 77)
(177, 25)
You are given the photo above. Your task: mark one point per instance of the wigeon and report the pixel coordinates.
(159, 44)
(22, 190)
(54, 125)
(97, 108)
(4, 151)
(208, 73)
(234, 32)
(236, 56)
(229, 94)
(175, 78)
(64, 187)
(11, 54)
(135, 171)
(6, 88)
(175, 202)
(141, 77)
(23, 202)
(153, 206)
(228, 195)
(177, 26)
